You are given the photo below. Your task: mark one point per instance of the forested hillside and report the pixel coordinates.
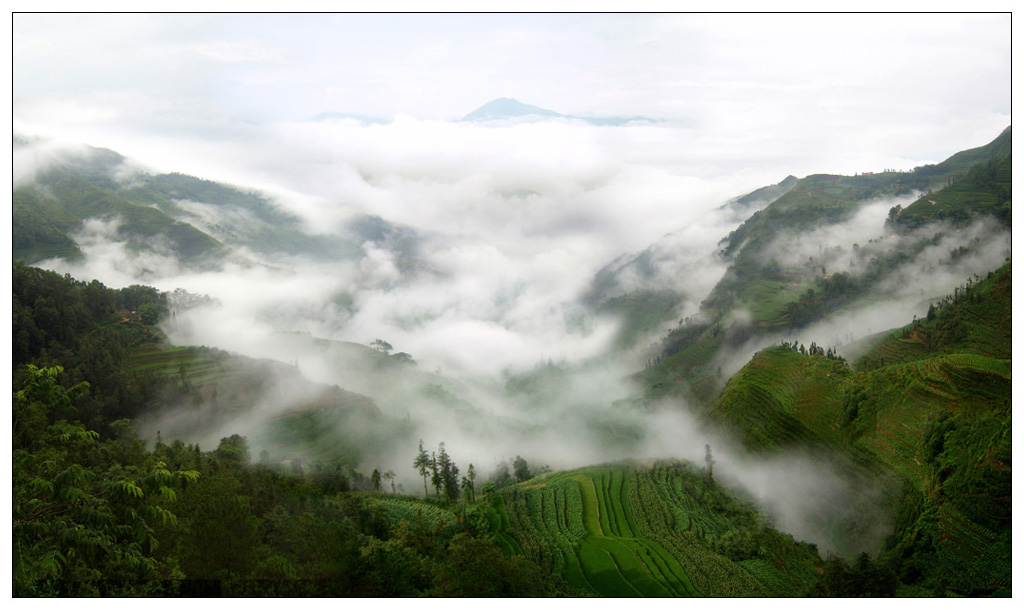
(788, 271)
(929, 403)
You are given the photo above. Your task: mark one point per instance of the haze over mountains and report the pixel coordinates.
(722, 307)
(507, 109)
(499, 338)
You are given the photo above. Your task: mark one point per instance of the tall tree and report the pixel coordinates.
(471, 477)
(435, 474)
(501, 474)
(521, 469)
(449, 474)
(422, 465)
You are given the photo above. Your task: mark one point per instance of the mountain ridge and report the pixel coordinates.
(506, 109)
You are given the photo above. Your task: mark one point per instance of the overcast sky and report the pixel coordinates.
(839, 93)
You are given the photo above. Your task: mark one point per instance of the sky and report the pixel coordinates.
(840, 93)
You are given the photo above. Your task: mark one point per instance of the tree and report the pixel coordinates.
(149, 313)
(404, 358)
(375, 477)
(521, 469)
(501, 474)
(471, 478)
(449, 474)
(78, 514)
(709, 463)
(894, 212)
(435, 474)
(422, 465)
(233, 450)
(381, 346)
(222, 535)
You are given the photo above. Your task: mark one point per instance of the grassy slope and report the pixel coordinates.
(655, 530)
(931, 403)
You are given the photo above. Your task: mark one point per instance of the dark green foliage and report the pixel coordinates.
(86, 514)
(220, 535)
(475, 568)
(85, 328)
(521, 469)
(865, 578)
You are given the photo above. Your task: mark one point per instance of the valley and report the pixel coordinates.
(817, 405)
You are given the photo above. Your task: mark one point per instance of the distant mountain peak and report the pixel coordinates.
(508, 108)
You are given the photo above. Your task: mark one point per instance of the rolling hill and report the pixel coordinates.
(788, 270)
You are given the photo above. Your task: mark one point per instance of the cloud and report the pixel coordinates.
(896, 293)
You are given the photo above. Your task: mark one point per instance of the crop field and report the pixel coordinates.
(582, 525)
(305, 435)
(310, 430)
(926, 388)
(969, 552)
(635, 531)
(767, 300)
(317, 431)
(440, 522)
(200, 367)
(895, 349)
(782, 397)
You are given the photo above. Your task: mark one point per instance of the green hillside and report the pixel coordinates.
(931, 404)
(774, 297)
(643, 310)
(53, 208)
(201, 220)
(235, 217)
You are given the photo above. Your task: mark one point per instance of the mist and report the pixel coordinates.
(503, 231)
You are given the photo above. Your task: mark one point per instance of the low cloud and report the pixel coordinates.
(509, 227)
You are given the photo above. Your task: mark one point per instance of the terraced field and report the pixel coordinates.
(638, 531)
(317, 428)
(200, 366)
(782, 398)
(923, 389)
